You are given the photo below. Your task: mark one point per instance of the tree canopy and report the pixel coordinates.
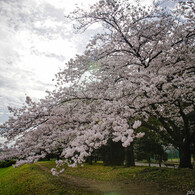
(142, 66)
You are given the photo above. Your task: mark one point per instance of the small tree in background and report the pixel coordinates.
(150, 146)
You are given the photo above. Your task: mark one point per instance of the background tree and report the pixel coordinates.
(151, 145)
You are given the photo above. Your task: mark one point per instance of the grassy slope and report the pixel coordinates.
(172, 179)
(30, 179)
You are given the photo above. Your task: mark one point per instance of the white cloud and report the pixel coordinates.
(70, 5)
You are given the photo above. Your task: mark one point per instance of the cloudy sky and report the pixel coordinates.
(35, 41)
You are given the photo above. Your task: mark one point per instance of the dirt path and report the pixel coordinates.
(109, 188)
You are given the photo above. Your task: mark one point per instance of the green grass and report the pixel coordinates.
(171, 179)
(31, 179)
(98, 171)
(173, 160)
(104, 173)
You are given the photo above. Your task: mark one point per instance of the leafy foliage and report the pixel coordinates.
(7, 163)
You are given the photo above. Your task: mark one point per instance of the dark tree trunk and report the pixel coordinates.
(89, 160)
(184, 148)
(48, 157)
(160, 160)
(185, 155)
(149, 162)
(95, 158)
(129, 156)
(113, 153)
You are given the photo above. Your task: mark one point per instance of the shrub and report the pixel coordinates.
(7, 163)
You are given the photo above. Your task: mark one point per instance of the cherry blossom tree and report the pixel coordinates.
(161, 45)
(141, 66)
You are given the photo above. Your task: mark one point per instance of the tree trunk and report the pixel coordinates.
(113, 153)
(89, 160)
(160, 160)
(129, 156)
(149, 162)
(185, 155)
(95, 158)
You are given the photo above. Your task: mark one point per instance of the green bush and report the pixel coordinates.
(7, 163)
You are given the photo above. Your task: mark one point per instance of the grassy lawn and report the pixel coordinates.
(172, 179)
(31, 179)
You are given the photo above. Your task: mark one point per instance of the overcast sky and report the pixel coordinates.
(35, 41)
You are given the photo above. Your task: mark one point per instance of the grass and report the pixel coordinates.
(99, 172)
(173, 160)
(31, 179)
(173, 179)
